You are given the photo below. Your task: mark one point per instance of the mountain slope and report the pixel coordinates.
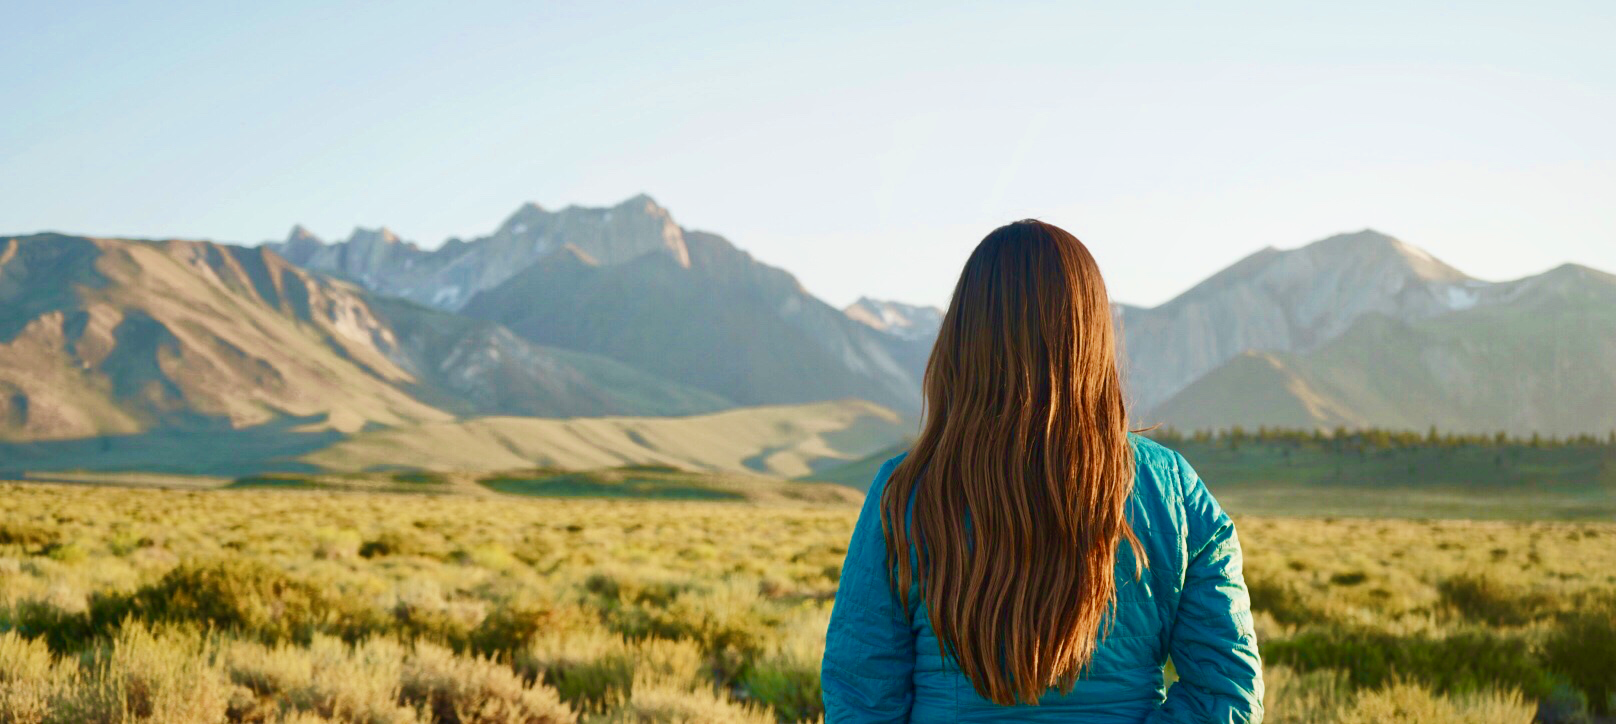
(1284, 301)
(1538, 356)
(120, 337)
(907, 321)
(712, 318)
(787, 441)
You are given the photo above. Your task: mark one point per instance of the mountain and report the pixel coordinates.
(906, 321)
(630, 284)
(1535, 355)
(449, 276)
(712, 318)
(104, 337)
(1285, 301)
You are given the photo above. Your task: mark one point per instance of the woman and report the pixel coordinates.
(1051, 562)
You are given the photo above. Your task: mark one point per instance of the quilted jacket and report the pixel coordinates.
(883, 663)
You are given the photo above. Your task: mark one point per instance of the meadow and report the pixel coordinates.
(302, 601)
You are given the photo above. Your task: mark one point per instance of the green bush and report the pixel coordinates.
(1583, 649)
(511, 627)
(1281, 601)
(1465, 661)
(1487, 600)
(28, 535)
(69, 552)
(61, 630)
(243, 596)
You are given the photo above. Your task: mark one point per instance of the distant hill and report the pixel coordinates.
(1285, 301)
(1533, 355)
(119, 337)
(860, 473)
(785, 441)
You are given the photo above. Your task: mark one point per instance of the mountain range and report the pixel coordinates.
(115, 337)
(620, 311)
(1533, 355)
(628, 283)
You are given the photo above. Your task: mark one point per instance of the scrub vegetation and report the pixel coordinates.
(265, 603)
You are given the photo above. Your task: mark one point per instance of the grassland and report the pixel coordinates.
(1380, 474)
(272, 604)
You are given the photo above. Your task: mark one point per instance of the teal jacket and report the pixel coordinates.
(883, 663)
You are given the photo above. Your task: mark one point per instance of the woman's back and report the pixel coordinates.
(1030, 558)
(883, 662)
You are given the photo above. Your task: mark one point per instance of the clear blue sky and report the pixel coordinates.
(864, 146)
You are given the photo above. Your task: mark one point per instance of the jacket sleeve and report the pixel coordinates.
(867, 673)
(1214, 646)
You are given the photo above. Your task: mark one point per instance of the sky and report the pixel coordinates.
(866, 146)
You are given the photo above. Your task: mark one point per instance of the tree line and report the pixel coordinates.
(1375, 438)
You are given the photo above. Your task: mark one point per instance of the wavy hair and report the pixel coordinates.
(1022, 472)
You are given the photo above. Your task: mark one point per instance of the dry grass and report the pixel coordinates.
(125, 605)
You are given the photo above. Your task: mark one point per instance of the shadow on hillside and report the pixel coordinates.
(272, 447)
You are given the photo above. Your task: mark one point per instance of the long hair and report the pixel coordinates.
(1022, 472)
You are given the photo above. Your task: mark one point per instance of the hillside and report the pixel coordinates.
(859, 474)
(1541, 357)
(116, 337)
(714, 319)
(1284, 301)
(784, 441)
(630, 284)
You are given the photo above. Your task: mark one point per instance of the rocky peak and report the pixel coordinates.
(301, 235)
(369, 237)
(1388, 254)
(904, 320)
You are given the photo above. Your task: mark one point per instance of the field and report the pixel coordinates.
(260, 604)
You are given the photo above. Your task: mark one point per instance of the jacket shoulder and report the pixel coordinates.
(884, 473)
(1157, 466)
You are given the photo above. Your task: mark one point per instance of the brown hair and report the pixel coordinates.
(1022, 472)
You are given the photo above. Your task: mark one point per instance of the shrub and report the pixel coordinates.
(28, 535)
(1583, 649)
(593, 669)
(335, 545)
(31, 679)
(492, 556)
(1487, 600)
(1313, 696)
(1405, 702)
(141, 676)
(397, 543)
(724, 621)
(509, 628)
(589, 667)
(1463, 661)
(241, 595)
(60, 629)
(1348, 578)
(1281, 601)
(786, 677)
(458, 690)
(70, 552)
(656, 700)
